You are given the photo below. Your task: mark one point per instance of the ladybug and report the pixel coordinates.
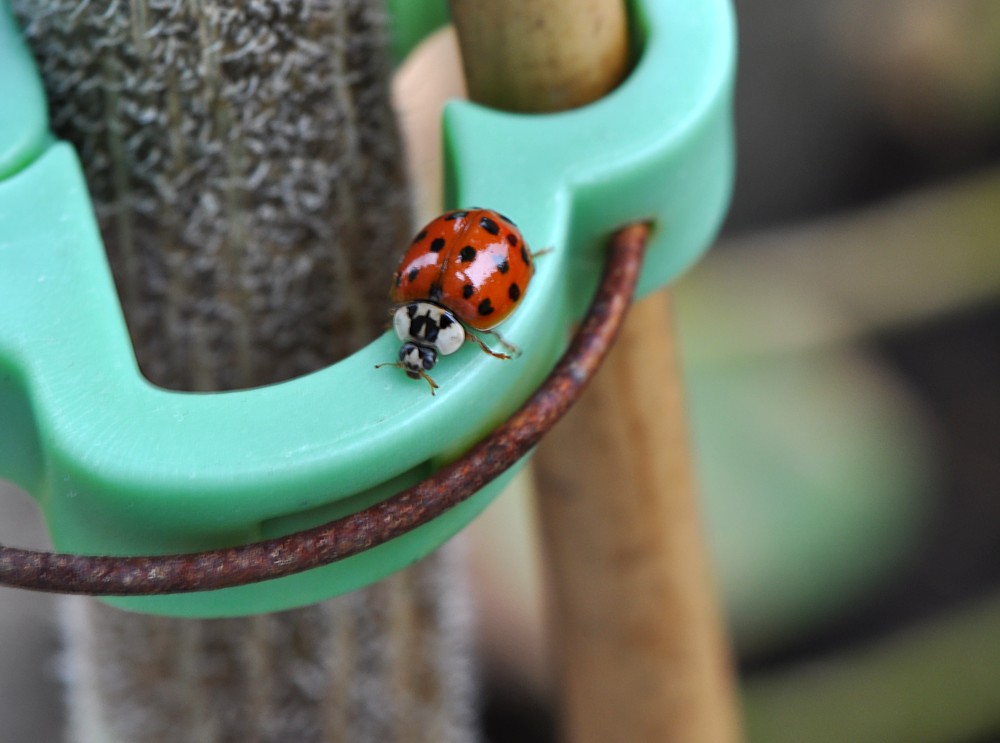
(466, 271)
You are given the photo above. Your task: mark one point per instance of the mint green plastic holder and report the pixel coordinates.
(121, 467)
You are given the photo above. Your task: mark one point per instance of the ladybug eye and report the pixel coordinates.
(428, 357)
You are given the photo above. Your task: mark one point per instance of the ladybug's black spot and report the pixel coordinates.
(514, 292)
(468, 290)
(412, 274)
(485, 307)
(512, 239)
(434, 293)
(436, 244)
(524, 255)
(489, 225)
(504, 266)
(467, 254)
(455, 215)
(445, 321)
(411, 310)
(420, 236)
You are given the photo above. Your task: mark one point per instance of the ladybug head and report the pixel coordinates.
(427, 331)
(416, 359)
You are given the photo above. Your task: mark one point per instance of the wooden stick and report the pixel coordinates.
(541, 55)
(642, 655)
(640, 643)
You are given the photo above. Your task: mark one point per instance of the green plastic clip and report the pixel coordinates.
(120, 466)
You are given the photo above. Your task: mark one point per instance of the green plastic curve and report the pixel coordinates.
(119, 466)
(24, 116)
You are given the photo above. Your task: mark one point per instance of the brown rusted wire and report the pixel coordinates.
(274, 558)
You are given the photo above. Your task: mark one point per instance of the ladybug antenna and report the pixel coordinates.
(427, 378)
(410, 373)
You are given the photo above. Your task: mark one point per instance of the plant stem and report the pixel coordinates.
(248, 178)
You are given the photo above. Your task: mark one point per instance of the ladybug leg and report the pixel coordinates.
(469, 336)
(514, 350)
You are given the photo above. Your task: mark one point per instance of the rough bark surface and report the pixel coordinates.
(387, 663)
(246, 171)
(249, 183)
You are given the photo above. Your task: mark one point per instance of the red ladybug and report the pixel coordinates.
(465, 269)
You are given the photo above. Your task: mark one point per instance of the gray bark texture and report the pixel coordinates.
(249, 181)
(246, 170)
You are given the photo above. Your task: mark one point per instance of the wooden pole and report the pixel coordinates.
(541, 55)
(641, 650)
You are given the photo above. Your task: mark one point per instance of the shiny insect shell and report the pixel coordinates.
(466, 270)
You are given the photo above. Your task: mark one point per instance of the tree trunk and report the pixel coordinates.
(248, 178)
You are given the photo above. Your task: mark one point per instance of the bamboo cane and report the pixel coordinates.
(541, 55)
(642, 655)
(641, 650)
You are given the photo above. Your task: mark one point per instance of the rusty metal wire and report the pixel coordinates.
(274, 558)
